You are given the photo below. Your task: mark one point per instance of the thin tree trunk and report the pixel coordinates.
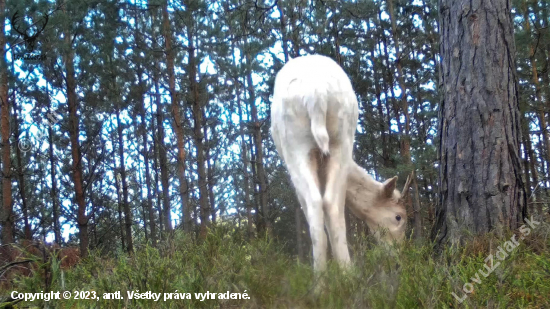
(143, 128)
(539, 105)
(156, 133)
(255, 194)
(143, 204)
(127, 211)
(53, 191)
(282, 23)
(405, 140)
(544, 106)
(74, 132)
(119, 203)
(210, 168)
(156, 164)
(163, 171)
(543, 166)
(385, 124)
(6, 219)
(525, 137)
(198, 134)
(177, 122)
(257, 131)
(481, 187)
(93, 225)
(21, 176)
(244, 158)
(383, 128)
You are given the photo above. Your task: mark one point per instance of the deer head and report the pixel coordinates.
(379, 204)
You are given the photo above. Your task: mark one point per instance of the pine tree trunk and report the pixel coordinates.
(177, 122)
(258, 219)
(6, 219)
(210, 169)
(119, 206)
(144, 137)
(74, 132)
(543, 106)
(481, 187)
(244, 158)
(385, 132)
(53, 191)
(526, 146)
(143, 128)
(93, 225)
(385, 137)
(405, 136)
(198, 135)
(163, 160)
(156, 166)
(543, 164)
(142, 188)
(541, 18)
(21, 177)
(126, 205)
(257, 131)
(539, 105)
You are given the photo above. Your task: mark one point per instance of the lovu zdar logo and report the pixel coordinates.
(30, 39)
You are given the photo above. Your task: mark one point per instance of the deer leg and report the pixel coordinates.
(303, 172)
(334, 201)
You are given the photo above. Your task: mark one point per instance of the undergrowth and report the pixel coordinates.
(410, 276)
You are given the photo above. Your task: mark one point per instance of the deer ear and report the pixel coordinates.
(389, 186)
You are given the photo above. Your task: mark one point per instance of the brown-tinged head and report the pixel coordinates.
(378, 203)
(387, 219)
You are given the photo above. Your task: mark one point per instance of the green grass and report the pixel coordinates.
(414, 276)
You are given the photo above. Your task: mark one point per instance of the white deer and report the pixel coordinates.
(313, 120)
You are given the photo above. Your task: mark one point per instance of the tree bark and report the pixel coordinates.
(143, 205)
(211, 167)
(405, 135)
(6, 219)
(177, 122)
(198, 133)
(126, 205)
(53, 191)
(244, 158)
(144, 136)
(163, 162)
(384, 124)
(152, 225)
(119, 204)
(481, 187)
(156, 169)
(157, 155)
(21, 177)
(526, 149)
(74, 132)
(257, 131)
(539, 105)
(544, 107)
